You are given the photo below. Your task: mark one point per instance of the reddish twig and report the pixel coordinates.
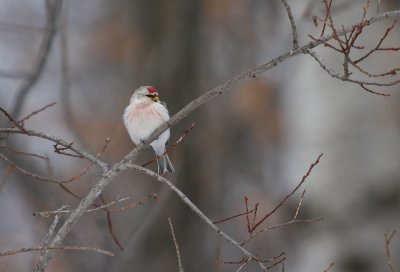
(246, 202)
(253, 222)
(345, 46)
(12, 120)
(178, 254)
(262, 220)
(63, 187)
(250, 228)
(28, 173)
(328, 11)
(276, 263)
(243, 260)
(23, 153)
(171, 147)
(293, 221)
(110, 225)
(378, 46)
(388, 240)
(232, 217)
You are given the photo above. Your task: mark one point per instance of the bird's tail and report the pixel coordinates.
(164, 165)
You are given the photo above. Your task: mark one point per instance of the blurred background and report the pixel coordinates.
(257, 140)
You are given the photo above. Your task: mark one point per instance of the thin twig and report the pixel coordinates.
(291, 222)
(244, 261)
(110, 225)
(66, 189)
(333, 74)
(232, 217)
(243, 265)
(195, 209)
(291, 193)
(50, 233)
(276, 263)
(135, 204)
(388, 240)
(28, 173)
(171, 147)
(125, 163)
(35, 112)
(23, 153)
(12, 120)
(329, 267)
(178, 255)
(58, 141)
(344, 47)
(75, 248)
(59, 212)
(292, 24)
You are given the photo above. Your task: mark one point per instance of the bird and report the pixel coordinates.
(144, 114)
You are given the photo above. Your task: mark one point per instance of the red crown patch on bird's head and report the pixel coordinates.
(152, 90)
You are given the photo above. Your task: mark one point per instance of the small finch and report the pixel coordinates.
(144, 114)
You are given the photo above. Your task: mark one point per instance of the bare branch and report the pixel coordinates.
(75, 248)
(171, 147)
(50, 233)
(329, 267)
(110, 225)
(388, 240)
(244, 261)
(299, 205)
(135, 204)
(345, 48)
(333, 74)
(291, 222)
(232, 217)
(58, 141)
(59, 212)
(290, 194)
(12, 120)
(35, 112)
(196, 210)
(28, 173)
(178, 255)
(292, 24)
(23, 153)
(109, 174)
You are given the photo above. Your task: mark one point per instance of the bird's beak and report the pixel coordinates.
(155, 98)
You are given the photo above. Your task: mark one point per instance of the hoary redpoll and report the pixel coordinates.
(144, 114)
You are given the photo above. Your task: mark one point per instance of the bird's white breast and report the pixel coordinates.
(143, 118)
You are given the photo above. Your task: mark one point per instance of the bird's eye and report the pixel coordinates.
(149, 95)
